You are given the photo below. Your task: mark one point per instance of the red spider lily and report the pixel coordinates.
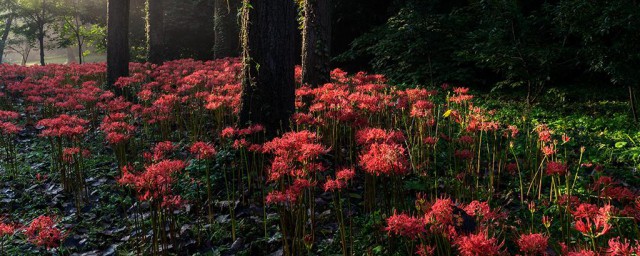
(479, 244)
(68, 154)
(7, 229)
(592, 222)
(464, 154)
(333, 185)
(622, 247)
(8, 115)
(582, 253)
(533, 244)
(549, 150)
(291, 152)
(441, 212)
(155, 182)
(63, 126)
(544, 134)
(424, 250)
(202, 150)
(556, 168)
(384, 159)
(370, 136)
(422, 108)
(345, 174)
(117, 128)
(162, 150)
(7, 128)
(405, 225)
(43, 232)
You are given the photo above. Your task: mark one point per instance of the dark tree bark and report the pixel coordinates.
(41, 33)
(117, 40)
(316, 44)
(268, 95)
(155, 31)
(226, 28)
(5, 35)
(41, 44)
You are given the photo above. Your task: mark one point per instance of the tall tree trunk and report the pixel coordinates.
(316, 44)
(226, 28)
(117, 40)
(155, 31)
(5, 35)
(268, 95)
(41, 44)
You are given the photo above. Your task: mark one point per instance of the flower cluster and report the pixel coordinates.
(65, 126)
(43, 231)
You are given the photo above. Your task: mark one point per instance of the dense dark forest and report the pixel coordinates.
(319, 127)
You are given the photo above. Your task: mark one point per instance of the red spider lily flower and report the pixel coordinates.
(346, 174)
(622, 247)
(292, 152)
(549, 150)
(441, 212)
(422, 108)
(544, 134)
(384, 159)
(565, 138)
(8, 115)
(228, 132)
(582, 253)
(554, 168)
(590, 222)
(63, 126)
(425, 250)
(202, 150)
(7, 128)
(155, 182)
(333, 185)
(460, 90)
(405, 225)
(479, 244)
(370, 136)
(43, 232)
(68, 154)
(464, 154)
(533, 244)
(162, 150)
(279, 198)
(117, 128)
(7, 229)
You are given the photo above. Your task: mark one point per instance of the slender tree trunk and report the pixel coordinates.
(155, 31)
(117, 40)
(268, 95)
(226, 28)
(632, 102)
(5, 35)
(316, 42)
(80, 57)
(41, 44)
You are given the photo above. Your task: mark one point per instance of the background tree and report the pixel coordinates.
(155, 31)
(36, 16)
(607, 36)
(316, 42)
(268, 33)
(7, 16)
(117, 40)
(226, 28)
